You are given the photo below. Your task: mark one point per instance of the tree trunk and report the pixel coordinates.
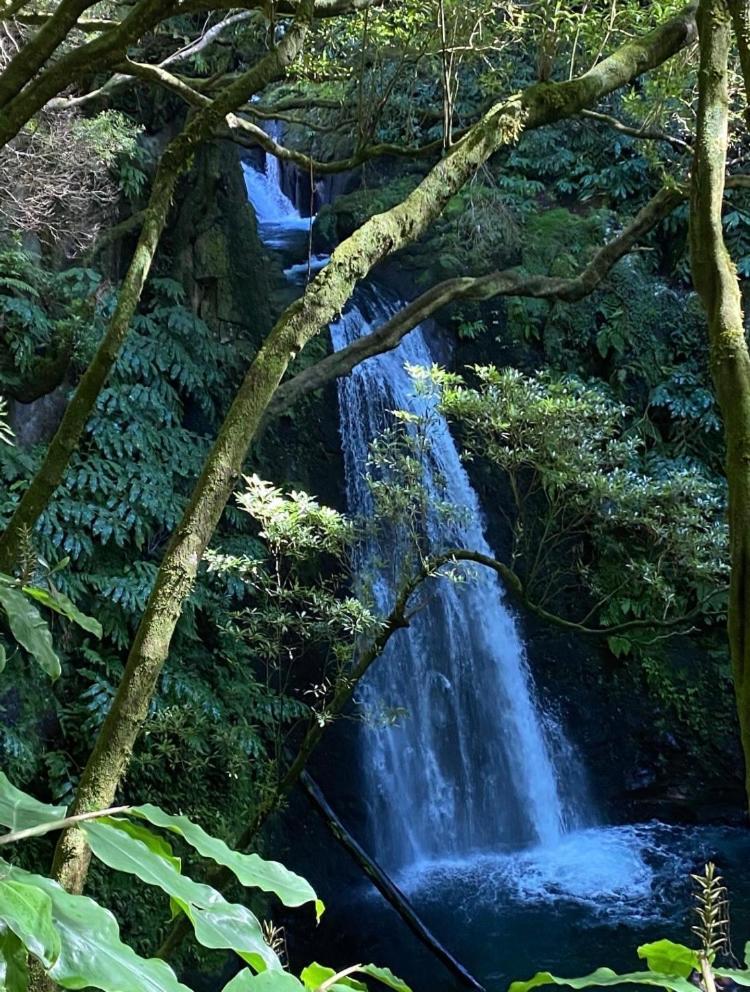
(715, 280)
(323, 300)
(740, 11)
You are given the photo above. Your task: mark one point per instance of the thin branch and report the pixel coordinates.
(509, 282)
(69, 821)
(643, 132)
(516, 587)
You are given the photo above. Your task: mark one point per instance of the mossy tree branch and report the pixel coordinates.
(246, 133)
(115, 741)
(715, 279)
(509, 282)
(99, 54)
(31, 80)
(32, 56)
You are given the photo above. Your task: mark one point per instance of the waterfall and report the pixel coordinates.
(279, 222)
(471, 765)
(468, 767)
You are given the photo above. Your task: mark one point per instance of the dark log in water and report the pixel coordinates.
(385, 886)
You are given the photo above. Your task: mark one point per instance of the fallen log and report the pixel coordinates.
(385, 886)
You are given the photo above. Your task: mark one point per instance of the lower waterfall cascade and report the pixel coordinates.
(471, 750)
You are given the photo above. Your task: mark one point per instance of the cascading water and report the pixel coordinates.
(472, 794)
(470, 753)
(279, 222)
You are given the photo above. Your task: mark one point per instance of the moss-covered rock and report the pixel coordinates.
(215, 248)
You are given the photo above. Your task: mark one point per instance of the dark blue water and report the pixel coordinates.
(507, 917)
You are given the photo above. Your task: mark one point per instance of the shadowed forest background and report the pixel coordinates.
(375, 507)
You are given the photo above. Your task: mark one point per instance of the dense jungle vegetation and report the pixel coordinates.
(190, 608)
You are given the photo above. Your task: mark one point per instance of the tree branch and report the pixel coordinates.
(69, 821)
(118, 733)
(715, 279)
(510, 282)
(647, 133)
(244, 132)
(99, 54)
(516, 587)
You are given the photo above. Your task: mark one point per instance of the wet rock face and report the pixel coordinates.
(217, 254)
(36, 422)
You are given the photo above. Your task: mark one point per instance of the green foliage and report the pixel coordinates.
(123, 493)
(643, 532)
(77, 941)
(109, 134)
(249, 869)
(27, 626)
(300, 623)
(670, 965)
(42, 313)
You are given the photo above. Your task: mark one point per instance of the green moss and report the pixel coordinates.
(555, 241)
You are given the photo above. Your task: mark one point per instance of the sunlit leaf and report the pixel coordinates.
(18, 811)
(29, 629)
(269, 981)
(27, 911)
(250, 869)
(92, 953)
(217, 923)
(668, 957)
(61, 604)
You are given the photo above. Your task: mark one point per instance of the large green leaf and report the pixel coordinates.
(29, 629)
(61, 604)
(385, 976)
(155, 843)
(738, 977)
(605, 977)
(229, 925)
(670, 958)
(20, 811)
(315, 974)
(92, 953)
(269, 981)
(217, 923)
(3, 657)
(250, 869)
(27, 911)
(14, 970)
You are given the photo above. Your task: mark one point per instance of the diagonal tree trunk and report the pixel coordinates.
(715, 279)
(323, 300)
